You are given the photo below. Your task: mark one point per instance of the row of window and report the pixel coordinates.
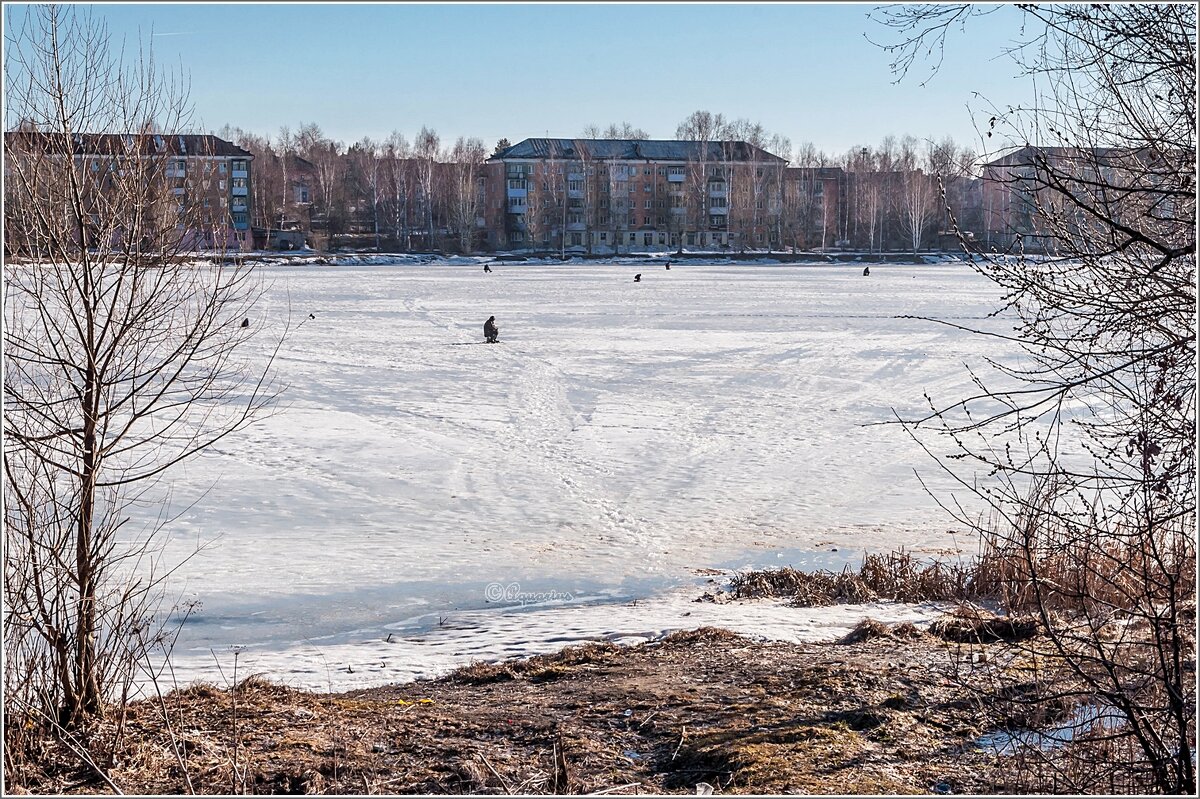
(575, 239)
(714, 220)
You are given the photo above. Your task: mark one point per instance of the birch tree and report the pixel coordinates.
(123, 358)
(466, 157)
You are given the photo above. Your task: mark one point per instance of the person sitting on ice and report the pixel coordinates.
(490, 331)
(486, 268)
(637, 278)
(866, 271)
(668, 263)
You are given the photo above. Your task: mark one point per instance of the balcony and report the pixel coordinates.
(518, 192)
(178, 192)
(676, 178)
(237, 191)
(718, 210)
(241, 173)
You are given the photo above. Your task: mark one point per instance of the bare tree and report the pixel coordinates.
(467, 159)
(366, 164)
(917, 196)
(426, 151)
(1089, 443)
(398, 178)
(705, 129)
(123, 357)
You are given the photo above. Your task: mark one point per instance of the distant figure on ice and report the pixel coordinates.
(668, 263)
(245, 323)
(866, 271)
(637, 278)
(486, 268)
(490, 331)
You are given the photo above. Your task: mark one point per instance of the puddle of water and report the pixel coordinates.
(1083, 719)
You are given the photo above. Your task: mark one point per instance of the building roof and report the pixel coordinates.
(1028, 155)
(113, 144)
(636, 150)
(818, 172)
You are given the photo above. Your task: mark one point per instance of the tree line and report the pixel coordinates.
(426, 193)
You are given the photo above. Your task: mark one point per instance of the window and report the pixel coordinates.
(221, 182)
(633, 238)
(691, 239)
(719, 202)
(516, 203)
(759, 204)
(716, 220)
(515, 183)
(603, 236)
(647, 239)
(575, 185)
(646, 187)
(649, 204)
(221, 167)
(662, 238)
(239, 166)
(95, 166)
(206, 202)
(576, 239)
(516, 235)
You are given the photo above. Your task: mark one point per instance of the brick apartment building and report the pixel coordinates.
(1122, 181)
(201, 180)
(618, 195)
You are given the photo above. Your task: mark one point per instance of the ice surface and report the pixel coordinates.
(618, 437)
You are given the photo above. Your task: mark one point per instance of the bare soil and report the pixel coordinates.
(886, 714)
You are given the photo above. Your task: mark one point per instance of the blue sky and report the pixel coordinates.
(513, 70)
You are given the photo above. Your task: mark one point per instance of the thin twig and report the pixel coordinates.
(503, 782)
(615, 788)
(682, 735)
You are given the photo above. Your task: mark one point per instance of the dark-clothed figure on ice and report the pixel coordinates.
(486, 268)
(637, 278)
(866, 271)
(491, 332)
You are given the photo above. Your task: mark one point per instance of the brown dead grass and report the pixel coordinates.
(699, 706)
(896, 576)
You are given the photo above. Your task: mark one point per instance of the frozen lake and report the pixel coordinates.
(620, 437)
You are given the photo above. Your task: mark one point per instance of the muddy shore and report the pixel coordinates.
(886, 715)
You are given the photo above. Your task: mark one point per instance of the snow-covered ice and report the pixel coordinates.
(619, 437)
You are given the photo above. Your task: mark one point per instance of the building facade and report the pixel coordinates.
(610, 196)
(198, 186)
(1034, 197)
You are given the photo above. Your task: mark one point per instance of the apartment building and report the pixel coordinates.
(1023, 192)
(620, 195)
(200, 183)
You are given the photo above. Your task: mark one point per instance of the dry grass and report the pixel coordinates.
(868, 629)
(969, 624)
(538, 667)
(895, 576)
